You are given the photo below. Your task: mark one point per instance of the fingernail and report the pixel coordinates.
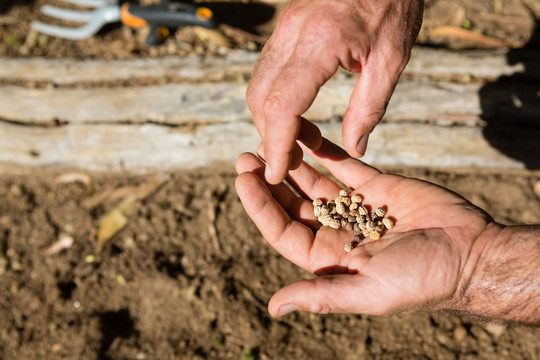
(286, 309)
(268, 172)
(362, 145)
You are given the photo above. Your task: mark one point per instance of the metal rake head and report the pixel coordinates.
(102, 12)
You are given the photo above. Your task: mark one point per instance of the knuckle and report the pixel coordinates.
(274, 105)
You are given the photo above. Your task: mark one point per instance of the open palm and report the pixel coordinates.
(419, 262)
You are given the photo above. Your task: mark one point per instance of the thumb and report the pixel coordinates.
(330, 294)
(367, 106)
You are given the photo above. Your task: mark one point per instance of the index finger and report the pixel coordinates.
(293, 92)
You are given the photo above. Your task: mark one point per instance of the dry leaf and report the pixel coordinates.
(109, 226)
(117, 219)
(212, 36)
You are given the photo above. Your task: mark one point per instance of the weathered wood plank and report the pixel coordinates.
(180, 104)
(425, 62)
(221, 102)
(150, 147)
(171, 69)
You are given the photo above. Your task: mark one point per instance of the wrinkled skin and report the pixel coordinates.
(312, 39)
(420, 263)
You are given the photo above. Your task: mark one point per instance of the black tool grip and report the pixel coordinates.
(173, 15)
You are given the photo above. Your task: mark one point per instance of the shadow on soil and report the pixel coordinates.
(511, 107)
(6, 5)
(114, 324)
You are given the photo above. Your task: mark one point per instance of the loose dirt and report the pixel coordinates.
(190, 277)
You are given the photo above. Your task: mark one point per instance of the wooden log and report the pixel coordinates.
(424, 63)
(69, 72)
(181, 104)
(150, 147)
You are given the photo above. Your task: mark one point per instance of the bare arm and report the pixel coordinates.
(504, 282)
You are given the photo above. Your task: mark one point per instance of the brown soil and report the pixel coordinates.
(166, 288)
(190, 276)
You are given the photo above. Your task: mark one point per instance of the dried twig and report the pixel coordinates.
(467, 35)
(235, 32)
(212, 204)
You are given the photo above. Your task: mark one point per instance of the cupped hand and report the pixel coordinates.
(418, 263)
(312, 39)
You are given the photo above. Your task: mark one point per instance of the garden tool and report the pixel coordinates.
(162, 18)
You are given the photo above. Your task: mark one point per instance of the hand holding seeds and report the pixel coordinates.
(421, 261)
(348, 213)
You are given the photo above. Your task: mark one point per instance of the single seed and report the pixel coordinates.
(324, 210)
(380, 212)
(348, 247)
(351, 218)
(317, 202)
(349, 226)
(334, 224)
(388, 223)
(340, 208)
(331, 207)
(317, 211)
(356, 198)
(343, 193)
(358, 238)
(353, 206)
(363, 210)
(346, 201)
(356, 227)
(325, 218)
(374, 235)
(344, 222)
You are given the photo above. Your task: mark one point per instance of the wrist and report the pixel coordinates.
(501, 277)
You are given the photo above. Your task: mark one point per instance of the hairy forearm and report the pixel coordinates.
(504, 281)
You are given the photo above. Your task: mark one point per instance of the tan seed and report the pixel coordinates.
(317, 211)
(348, 247)
(363, 210)
(317, 202)
(374, 235)
(340, 208)
(356, 198)
(380, 212)
(324, 210)
(388, 223)
(343, 193)
(334, 224)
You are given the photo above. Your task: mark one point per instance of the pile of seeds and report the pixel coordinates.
(347, 212)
